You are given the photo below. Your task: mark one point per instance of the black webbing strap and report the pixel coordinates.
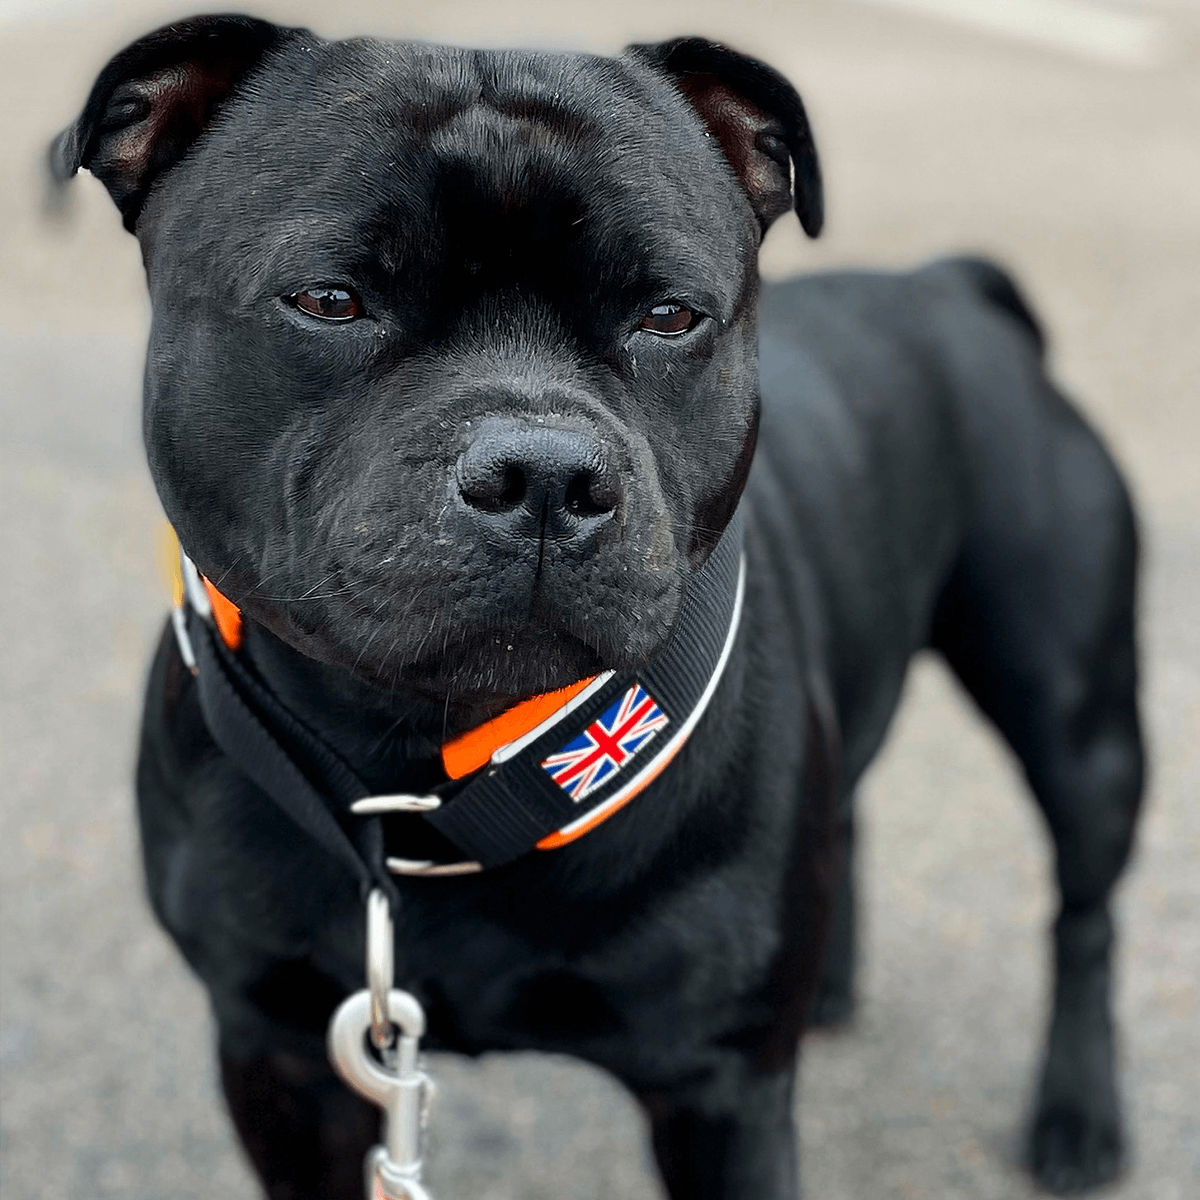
(239, 712)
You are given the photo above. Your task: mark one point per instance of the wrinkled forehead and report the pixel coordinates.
(414, 152)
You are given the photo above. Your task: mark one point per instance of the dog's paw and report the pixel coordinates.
(1073, 1149)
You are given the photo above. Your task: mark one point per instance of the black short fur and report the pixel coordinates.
(505, 221)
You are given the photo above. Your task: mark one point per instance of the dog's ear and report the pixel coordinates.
(758, 119)
(154, 99)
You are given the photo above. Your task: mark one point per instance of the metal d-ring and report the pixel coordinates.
(404, 803)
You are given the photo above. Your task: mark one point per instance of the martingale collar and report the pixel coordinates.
(539, 776)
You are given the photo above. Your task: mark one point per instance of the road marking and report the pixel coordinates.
(1126, 39)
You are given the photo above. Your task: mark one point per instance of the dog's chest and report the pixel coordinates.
(658, 985)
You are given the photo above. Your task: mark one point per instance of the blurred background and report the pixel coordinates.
(1063, 137)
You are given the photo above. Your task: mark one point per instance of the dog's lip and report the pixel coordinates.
(484, 650)
(314, 634)
(486, 663)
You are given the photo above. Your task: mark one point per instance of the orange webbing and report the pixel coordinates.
(471, 750)
(226, 615)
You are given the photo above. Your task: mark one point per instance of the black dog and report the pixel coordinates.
(453, 390)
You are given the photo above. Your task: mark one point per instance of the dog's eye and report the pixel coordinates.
(328, 303)
(669, 319)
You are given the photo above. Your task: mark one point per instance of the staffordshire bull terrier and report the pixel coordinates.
(458, 365)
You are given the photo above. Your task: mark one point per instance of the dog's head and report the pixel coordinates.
(452, 377)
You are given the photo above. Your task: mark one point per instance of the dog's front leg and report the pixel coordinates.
(306, 1134)
(731, 1137)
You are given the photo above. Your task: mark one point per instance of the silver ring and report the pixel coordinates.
(370, 805)
(427, 867)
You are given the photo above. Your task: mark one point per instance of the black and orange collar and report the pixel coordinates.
(539, 776)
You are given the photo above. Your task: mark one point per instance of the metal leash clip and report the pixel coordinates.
(395, 1022)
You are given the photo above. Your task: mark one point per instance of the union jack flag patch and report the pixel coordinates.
(607, 744)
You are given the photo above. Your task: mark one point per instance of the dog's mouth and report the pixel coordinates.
(451, 620)
(482, 661)
(497, 664)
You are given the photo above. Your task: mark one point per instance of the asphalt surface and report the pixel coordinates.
(1076, 165)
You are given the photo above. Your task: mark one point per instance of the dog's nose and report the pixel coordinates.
(529, 480)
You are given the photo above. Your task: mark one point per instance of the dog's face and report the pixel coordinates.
(452, 375)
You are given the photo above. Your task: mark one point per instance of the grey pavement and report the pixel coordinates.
(1064, 142)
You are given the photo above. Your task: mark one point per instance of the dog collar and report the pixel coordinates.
(537, 777)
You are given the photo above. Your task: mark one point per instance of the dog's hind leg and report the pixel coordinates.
(1037, 620)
